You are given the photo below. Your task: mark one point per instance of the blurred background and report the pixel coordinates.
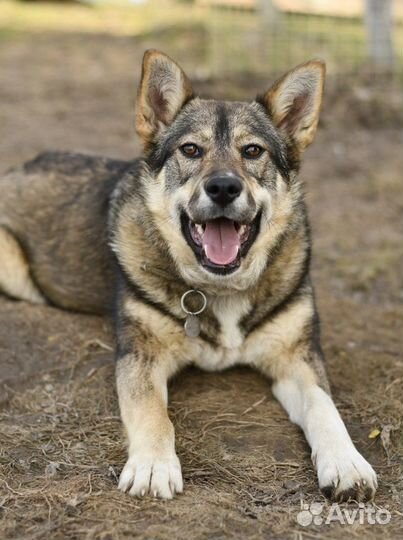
(232, 36)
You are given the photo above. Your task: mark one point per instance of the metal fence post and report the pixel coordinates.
(379, 24)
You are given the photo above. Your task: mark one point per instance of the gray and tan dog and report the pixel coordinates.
(203, 247)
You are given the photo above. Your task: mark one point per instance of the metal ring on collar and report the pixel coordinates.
(186, 294)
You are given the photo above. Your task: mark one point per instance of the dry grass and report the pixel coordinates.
(246, 468)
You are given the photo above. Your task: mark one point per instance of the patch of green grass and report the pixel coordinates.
(8, 33)
(111, 18)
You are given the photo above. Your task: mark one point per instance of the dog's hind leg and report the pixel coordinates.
(15, 278)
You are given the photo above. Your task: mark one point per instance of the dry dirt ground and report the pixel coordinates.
(247, 469)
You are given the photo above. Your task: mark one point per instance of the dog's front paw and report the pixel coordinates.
(344, 474)
(162, 477)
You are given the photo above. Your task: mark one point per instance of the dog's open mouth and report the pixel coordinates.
(220, 243)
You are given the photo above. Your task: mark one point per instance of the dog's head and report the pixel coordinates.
(223, 173)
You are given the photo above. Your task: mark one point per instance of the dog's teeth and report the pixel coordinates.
(241, 229)
(199, 229)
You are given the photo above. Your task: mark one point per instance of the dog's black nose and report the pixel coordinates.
(223, 189)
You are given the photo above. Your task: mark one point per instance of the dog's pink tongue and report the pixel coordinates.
(221, 241)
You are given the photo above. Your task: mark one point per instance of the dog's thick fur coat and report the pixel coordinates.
(97, 235)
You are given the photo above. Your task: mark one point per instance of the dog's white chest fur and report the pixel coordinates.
(229, 313)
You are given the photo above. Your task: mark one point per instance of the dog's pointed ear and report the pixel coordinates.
(294, 102)
(163, 91)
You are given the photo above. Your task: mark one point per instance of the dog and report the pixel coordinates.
(201, 249)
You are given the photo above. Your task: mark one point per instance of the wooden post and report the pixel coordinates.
(379, 23)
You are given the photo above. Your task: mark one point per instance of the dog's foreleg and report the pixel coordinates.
(152, 464)
(342, 471)
(15, 278)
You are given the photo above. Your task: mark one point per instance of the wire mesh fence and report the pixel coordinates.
(259, 35)
(224, 37)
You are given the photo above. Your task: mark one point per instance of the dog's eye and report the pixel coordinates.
(252, 151)
(191, 150)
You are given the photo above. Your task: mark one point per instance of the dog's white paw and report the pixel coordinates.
(344, 474)
(142, 474)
